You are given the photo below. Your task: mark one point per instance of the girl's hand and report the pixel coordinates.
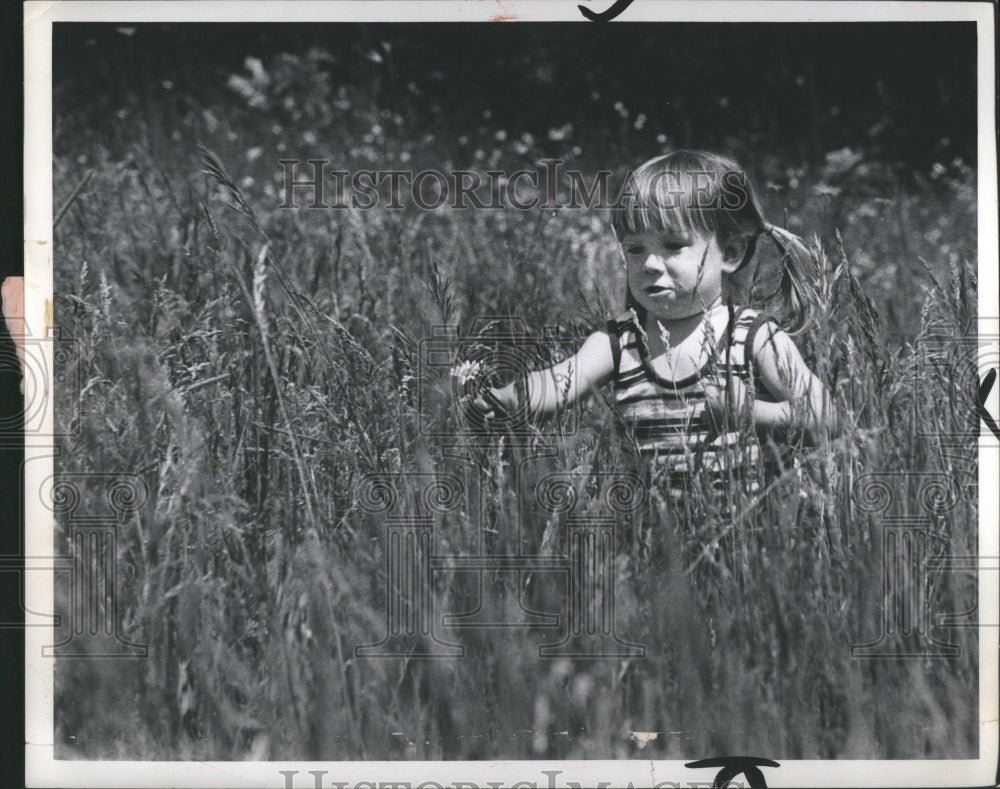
(542, 392)
(474, 404)
(493, 404)
(482, 405)
(803, 409)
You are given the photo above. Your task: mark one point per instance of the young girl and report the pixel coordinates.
(692, 371)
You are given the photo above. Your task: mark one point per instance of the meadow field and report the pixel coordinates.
(256, 364)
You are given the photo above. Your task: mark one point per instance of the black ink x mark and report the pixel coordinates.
(606, 16)
(985, 387)
(736, 765)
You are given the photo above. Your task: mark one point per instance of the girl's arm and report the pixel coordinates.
(563, 384)
(804, 403)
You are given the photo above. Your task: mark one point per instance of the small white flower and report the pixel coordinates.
(561, 133)
(256, 69)
(466, 371)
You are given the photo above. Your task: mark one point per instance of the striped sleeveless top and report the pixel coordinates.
(667, 417)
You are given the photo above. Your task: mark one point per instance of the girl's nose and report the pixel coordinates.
(653, 264)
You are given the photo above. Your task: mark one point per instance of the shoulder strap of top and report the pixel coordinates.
(617, 327)
(759, 320)
(733, 320)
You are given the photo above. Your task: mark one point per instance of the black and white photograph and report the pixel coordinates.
(510, 394)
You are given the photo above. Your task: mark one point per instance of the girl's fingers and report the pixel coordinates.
(494, 402)
(481, 409)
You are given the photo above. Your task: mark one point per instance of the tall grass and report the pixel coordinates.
(254, 364)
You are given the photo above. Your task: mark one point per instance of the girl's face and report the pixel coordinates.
(675, 274)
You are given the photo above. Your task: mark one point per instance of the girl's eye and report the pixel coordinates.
(635, 250)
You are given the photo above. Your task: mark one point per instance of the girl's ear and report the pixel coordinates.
(733, 254)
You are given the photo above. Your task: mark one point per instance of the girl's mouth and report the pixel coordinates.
(659, 290)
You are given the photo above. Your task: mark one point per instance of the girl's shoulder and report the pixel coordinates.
(753, 335)
(623, 323)
(753, 327)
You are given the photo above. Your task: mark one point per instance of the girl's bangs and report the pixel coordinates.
(656, 203)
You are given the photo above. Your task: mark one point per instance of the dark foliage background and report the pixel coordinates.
(905, 92)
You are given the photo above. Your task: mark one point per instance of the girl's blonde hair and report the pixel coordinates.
(710, 194)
